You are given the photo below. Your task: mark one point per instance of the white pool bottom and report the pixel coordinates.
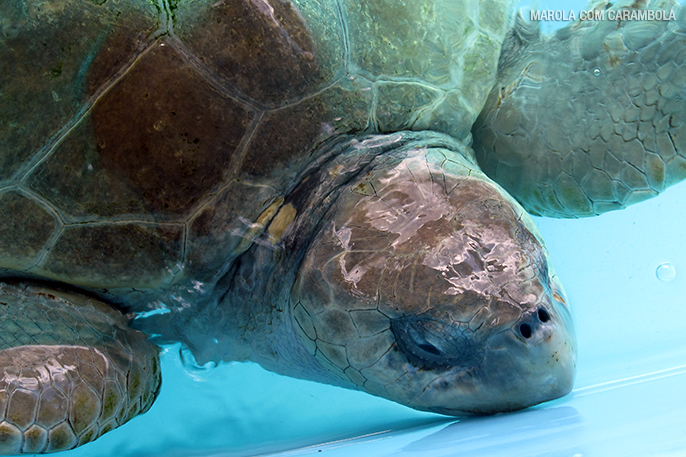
(642, 415)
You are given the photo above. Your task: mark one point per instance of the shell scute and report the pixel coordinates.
(149, 141)
(48, 47)
(272, 52)
(115, 255)
(275, 154)
(399, 39)
(74, 179)
(24, 229)
(399, 102)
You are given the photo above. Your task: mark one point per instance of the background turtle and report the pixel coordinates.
(290, 183)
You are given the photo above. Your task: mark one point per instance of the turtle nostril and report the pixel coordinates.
(543, 315)
(525, 330)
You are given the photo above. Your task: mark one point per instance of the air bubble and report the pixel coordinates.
(666, 272)
(596, 72)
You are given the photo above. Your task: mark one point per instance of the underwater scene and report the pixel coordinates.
(569, 342)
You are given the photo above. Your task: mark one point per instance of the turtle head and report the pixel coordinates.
(428, 285)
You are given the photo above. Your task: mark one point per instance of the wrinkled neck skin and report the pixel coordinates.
(252, 317)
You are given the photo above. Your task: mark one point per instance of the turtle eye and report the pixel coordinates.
(428, 342)
(431, 349)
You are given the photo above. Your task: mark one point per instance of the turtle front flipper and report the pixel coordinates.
(592, 118)
(71, 369)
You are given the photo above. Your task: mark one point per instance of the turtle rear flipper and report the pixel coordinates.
(72, 370)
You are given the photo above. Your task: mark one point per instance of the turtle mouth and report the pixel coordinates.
(496, 369)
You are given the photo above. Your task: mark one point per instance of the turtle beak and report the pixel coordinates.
(537, 358)
(532, 362)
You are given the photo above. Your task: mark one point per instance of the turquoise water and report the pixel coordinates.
(628, 400)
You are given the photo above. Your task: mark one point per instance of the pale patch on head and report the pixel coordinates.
(466, 263)
(354, 275)
(405, 209)
(342, 236)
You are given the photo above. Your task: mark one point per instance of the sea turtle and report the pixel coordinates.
(291, 182)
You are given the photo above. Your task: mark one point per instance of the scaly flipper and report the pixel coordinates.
(71, 370)
(592, 118)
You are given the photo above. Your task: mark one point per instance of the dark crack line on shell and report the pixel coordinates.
(209, 76)
(183, 256)
(42, 202)
(57, 231)
(110, 223)
(373, 120)
(47, 248)
(241, 150)
(43, 154)
(232, 171)
(298, 101)
(266, 9)
(676, 149)
(396, 79)
(346, 34)
(124, 218)
(430, 108)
